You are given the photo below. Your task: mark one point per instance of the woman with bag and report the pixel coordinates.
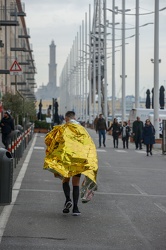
(148, 136)
(125, 132)
(115, 127)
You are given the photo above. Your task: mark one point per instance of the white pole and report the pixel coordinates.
(77, 76)
(123, 63)
(94, 65)
(113, 59)
(105, 63)
(90, 70)
(137, 56)
(86, 75)
(80, 78)
(156, 69)
(83, 74)
(99, 59)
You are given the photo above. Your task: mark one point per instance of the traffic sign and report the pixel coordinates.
(15, 69)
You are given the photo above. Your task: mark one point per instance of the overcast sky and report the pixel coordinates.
(59, 20)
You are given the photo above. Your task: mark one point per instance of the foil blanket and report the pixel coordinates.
(71, 151)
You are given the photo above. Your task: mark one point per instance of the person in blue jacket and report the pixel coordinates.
(148, 136)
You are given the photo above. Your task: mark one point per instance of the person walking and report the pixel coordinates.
(101, 127)
(137, 132)
(7, 126)
(71, 152)
(95, 121)
(125, 132)
(148, 136)
(116, 131)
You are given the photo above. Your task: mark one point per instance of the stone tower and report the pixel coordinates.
(51, 90)
(52, 65)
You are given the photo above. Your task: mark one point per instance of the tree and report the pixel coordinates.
(19, 107)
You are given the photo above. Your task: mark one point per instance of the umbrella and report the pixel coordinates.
(56, 116)
(162, 97)
(40, 110)
(152, 98)
(148, 99)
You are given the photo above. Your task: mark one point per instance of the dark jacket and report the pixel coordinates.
(138, 128)
(148, 134)
(101, 124)
(126, 133)
(8, 125)
(115, 127)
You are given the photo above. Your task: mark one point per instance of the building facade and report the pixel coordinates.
(16, 51)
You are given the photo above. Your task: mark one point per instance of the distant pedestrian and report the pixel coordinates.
(101, 127)
(148, 136)
(116, 131)
(7, 126)
(125, 132)
(137, 132)
(95, 122)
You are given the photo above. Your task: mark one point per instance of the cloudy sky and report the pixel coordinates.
(59, 20)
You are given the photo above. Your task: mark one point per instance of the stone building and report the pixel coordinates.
(16, 54)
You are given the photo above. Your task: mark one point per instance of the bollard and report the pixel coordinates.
(6, 176)
(164, 136)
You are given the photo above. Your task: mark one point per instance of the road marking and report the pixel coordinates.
(120, 151)
(39, 147)
(138, 234)
(98, 193)
(101, 150)
(139, 189)
(161, 207)
(140, 152)
(107, 163)
(4, 217)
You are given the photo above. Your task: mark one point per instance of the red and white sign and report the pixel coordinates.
(15, 69)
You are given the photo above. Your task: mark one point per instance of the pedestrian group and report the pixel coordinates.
(141, 133)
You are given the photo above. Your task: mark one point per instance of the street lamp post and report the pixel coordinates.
(113, 59)
(90, 68)
(156, 70)
(137, 55)
(105, 64)
(99, 61)
(123, 63)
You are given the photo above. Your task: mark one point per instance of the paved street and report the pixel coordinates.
(128, 211)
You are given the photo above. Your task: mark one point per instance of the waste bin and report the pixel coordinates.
(6, 176)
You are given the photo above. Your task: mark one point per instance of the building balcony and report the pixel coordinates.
(18, 83)
(4, 71)
(24, 36)
(9, 23)
(21, 13)
(18, 49)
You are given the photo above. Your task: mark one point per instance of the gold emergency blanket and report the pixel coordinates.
(70, 151)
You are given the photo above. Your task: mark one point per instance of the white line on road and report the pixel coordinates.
(161, 207)
(120, 151)
(99, 193)
(4, 217)
(39, 147)
(139, 189)
(101, 150)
